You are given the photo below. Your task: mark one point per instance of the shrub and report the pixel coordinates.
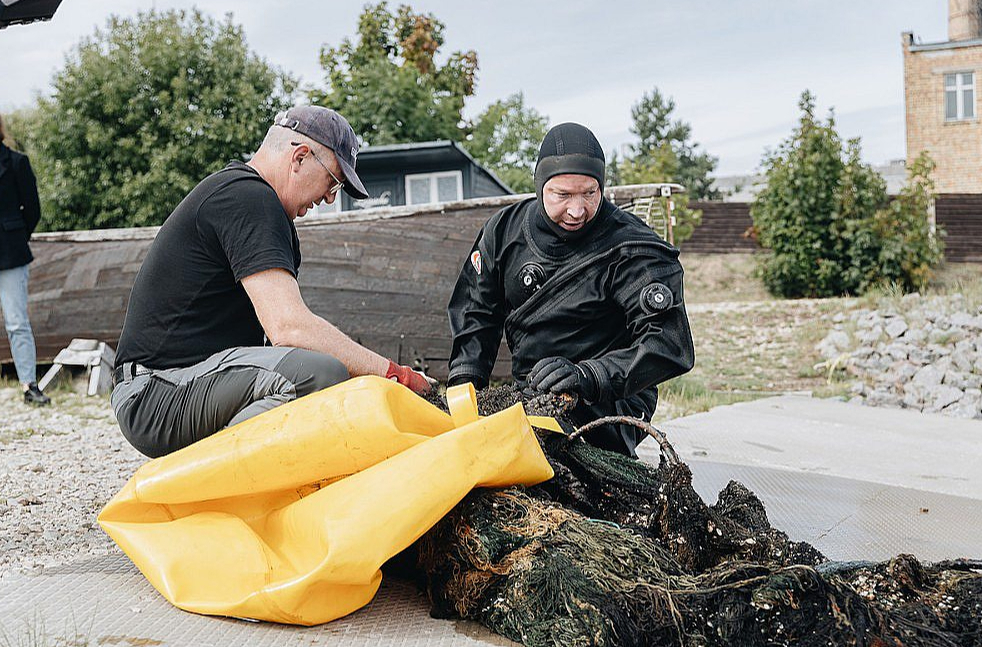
(828, 223)
(141, 112)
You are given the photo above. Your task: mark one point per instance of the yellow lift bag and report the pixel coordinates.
(289, 516)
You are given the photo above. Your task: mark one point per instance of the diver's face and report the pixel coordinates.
(571, 201)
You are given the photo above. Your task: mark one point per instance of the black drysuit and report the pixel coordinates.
(609, 300)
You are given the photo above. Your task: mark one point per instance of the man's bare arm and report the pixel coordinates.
(288, 321)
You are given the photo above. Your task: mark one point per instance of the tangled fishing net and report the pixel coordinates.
(614, 551)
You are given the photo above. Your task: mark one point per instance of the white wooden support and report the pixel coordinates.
(97, 357)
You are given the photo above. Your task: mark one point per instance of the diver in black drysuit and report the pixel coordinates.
(597, 312)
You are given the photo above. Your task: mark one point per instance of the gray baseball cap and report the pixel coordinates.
(327, 127)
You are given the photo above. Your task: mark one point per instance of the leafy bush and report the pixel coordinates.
(141, 112)
(506, 138)
(827, 220)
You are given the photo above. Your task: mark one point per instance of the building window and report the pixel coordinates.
(325, 209)
(959, 96)
(426, 188)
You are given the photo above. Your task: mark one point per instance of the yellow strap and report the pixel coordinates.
(545, 422)
(462, 402)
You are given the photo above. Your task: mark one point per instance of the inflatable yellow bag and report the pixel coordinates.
(289, 516)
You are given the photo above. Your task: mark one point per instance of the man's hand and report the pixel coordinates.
(559, 375)
(408, 377)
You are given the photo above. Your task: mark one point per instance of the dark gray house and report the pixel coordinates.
(419, 173)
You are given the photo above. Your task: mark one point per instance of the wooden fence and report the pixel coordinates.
(959, 215)
(725, 229)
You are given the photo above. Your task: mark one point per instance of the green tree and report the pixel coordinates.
(506, 138)
(19, 124)
(909, 249)
(828, 222)
(142, 111)
(793, 214)
(660, 164)
(664, 152)
(388, 84)
(664, 146)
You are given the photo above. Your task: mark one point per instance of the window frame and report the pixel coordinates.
(959, 89)
(433, 179)
(329, 209)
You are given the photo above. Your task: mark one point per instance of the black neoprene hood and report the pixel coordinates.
(569, 148)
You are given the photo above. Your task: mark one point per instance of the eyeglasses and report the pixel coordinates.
(338, 184)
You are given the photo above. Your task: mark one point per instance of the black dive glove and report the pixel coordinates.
(559, 375)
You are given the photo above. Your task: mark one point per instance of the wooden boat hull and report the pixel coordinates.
(383, 276)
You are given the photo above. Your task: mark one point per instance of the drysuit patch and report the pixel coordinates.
(655, 298)
(476, 260)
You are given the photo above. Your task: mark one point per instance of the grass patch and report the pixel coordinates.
(685, 396)
(9, 435)
(715, 278)
(748, 344)
(33, 633)
(964, 279)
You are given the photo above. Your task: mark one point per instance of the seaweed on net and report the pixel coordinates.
(661, 502)
(613, 551)
(658, 501)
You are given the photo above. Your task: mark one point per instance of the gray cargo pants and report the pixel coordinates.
(163, 411)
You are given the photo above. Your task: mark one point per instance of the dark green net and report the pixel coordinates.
(614, 551)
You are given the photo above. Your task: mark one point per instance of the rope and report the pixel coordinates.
(667, 451)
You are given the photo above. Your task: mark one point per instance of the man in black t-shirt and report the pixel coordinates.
(220, 276)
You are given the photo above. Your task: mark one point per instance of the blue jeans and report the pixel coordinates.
(13, 300)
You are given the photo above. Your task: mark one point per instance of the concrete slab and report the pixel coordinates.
(896, 447)
(848, 519)
(107, 601)
(856, 482)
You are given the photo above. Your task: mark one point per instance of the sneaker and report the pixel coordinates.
(34, 396)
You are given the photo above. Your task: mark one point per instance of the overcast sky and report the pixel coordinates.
(734, 67)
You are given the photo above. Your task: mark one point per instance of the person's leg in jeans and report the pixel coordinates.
(13, 299)
(169, 410)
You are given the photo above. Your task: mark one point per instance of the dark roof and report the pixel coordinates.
(951, 44)
(435, 153)
(22, 12)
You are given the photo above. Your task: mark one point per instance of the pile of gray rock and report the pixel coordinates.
(922, 353)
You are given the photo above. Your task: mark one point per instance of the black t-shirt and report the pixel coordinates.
(188, 302)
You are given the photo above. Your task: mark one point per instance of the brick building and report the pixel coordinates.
(941, 95)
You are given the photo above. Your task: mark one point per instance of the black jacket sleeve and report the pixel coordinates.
(477, 313)
(28, 190)
(661, 342)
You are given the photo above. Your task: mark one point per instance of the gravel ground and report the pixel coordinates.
(58, 467)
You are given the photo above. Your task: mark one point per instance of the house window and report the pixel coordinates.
(426, 188)
(959, 96)
(325, 209)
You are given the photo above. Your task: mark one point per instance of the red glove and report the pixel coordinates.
(407, 377)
